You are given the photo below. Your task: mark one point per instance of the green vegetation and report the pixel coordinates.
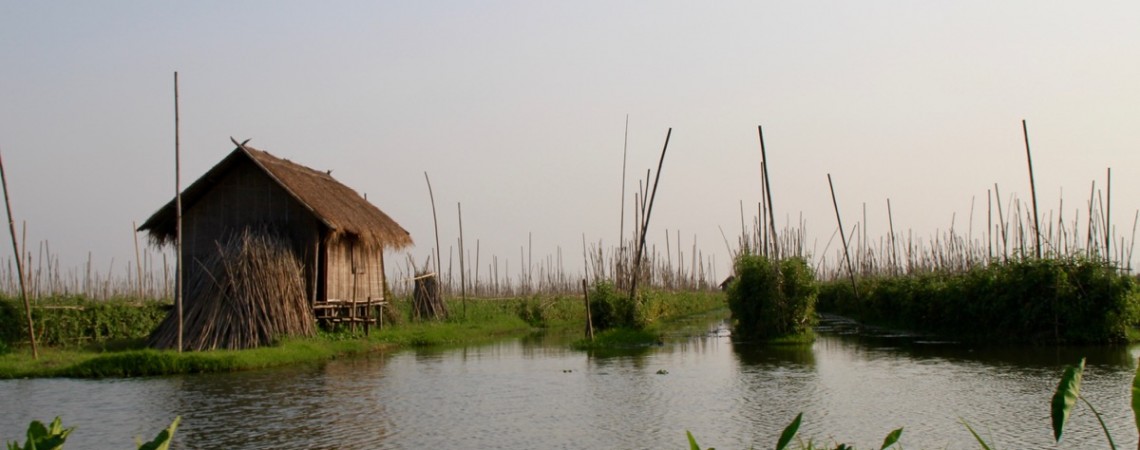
(772, 300)
(622, 324)
(619, 338)
(611, 309)
(73, 321)
(1072, 301)
(52, 437)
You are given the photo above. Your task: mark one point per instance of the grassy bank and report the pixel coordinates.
(480, 321)
(657, 312)
(1040, 301)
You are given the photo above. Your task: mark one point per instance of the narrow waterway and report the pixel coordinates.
(853, 385)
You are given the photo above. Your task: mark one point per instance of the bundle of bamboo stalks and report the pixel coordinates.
(427, 301)
(249, 294)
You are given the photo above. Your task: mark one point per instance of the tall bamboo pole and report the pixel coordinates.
(178, 213)
(621, 225)
(1107, 215)
(138, 260)
(1032, 187)
(768, 189)
(894, 247)
(842, 237)
(462, 272)
(438, 268)
(19, 265)
(645, 225)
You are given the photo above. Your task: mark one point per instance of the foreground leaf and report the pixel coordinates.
(42, 437)
(1136, 398)
(981, 441)
(692, 442)
(165, 437)
(891, 438)
(1066, 396)
(789, 432)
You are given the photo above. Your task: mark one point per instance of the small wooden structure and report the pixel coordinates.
(339, 236)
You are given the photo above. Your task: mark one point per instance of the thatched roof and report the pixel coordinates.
(339, 208)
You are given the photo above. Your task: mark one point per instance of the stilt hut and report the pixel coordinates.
(338, 237)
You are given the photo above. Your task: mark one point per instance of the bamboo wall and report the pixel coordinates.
(346, 259)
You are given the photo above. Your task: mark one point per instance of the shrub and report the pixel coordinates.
(772, 299)
(611, 309)
(1072, 301)
(531, 311)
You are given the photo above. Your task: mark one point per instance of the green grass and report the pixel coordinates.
(58, 362)
(662, 310)
(484, 321)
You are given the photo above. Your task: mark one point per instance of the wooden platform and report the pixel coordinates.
(350, 312)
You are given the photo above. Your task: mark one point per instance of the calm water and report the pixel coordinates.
(851, 385)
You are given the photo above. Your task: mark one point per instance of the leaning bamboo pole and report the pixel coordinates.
(1032, 188)
(1107, 214)
(843, 237)
(19, 264)
(645, 225)
(768, 191)
(462, 272)
(438, 267)
(178, 216)
(624, 154)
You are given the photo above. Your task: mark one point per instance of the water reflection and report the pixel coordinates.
(768, 356)
(854, 385)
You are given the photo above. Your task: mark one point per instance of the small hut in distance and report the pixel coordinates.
(337, 237)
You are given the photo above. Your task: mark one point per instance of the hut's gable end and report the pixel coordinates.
(245, 197)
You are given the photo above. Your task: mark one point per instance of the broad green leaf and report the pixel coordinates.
(891, 438)
(165, 437)
(1136, 398)
(36, 431)
(1066, 396)
(789, 432)
(981, 441)
(692, 442)
(41, 437)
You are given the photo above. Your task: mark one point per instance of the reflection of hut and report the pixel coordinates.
(337, 236)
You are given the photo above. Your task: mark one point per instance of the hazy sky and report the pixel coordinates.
(517, 110)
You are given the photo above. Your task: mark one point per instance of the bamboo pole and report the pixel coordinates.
(438, 267)
(589, 318)
(842, 237)
(1032, 187)
(768, 189)
(624, 154)
(138, 261)
(178, 214)
(462, 273)
(894, 247)
(19, 264)
(1107, 215)
(585, 263)
(645, 226)
(989, 226)
(1002, 225)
